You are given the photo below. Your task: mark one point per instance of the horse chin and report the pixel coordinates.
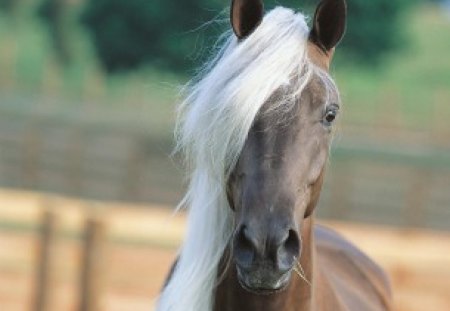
(264, 288)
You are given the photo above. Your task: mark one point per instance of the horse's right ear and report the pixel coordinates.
(329, 24)
(246, 15)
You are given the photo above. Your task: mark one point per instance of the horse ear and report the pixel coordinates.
(246, 15)
(329, 24)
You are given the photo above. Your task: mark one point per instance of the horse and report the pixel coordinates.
(255, 127)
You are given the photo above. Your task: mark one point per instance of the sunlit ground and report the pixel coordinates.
(142, 243)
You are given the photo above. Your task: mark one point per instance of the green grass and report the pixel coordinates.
(32, 76)
(411, 90)
(413, 85)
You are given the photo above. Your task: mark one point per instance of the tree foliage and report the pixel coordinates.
(168, 34)
(129, 33)
(7, 5)
(374, 29)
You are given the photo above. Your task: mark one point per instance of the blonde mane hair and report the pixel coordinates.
(214, 122)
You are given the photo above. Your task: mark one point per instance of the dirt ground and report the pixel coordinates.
(141, 244)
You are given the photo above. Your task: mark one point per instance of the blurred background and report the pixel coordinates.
(88, 90)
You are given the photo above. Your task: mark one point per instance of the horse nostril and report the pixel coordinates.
(292, 242)
(281, 248)
(244, 248)
(288, 251)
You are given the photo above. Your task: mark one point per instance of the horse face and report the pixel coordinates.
(276, 184)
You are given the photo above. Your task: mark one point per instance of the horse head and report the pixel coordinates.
(275, 183)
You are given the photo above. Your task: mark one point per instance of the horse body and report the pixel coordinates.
(257, 133)
(357, 281)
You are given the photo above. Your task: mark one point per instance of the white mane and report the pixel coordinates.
(215, 119)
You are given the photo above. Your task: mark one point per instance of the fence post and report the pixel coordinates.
(134, 170)
(47, 236)
(342, 178)
(92, 263)
(75, 174)
(31, 145)
(416, 198)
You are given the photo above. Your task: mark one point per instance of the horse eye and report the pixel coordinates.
(330, 115)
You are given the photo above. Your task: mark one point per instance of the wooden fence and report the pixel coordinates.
(390, 185)
(116, 156)
(91, 154)
(93, 259)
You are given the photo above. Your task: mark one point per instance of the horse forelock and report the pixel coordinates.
(213, 125)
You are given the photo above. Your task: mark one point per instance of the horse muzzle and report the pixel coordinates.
(263, 281)
(265, 259)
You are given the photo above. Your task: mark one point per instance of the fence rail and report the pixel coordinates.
(110, 159)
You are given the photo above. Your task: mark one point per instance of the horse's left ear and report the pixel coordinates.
(246, 15)
(329, 24)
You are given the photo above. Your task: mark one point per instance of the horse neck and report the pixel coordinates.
(298, 296)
